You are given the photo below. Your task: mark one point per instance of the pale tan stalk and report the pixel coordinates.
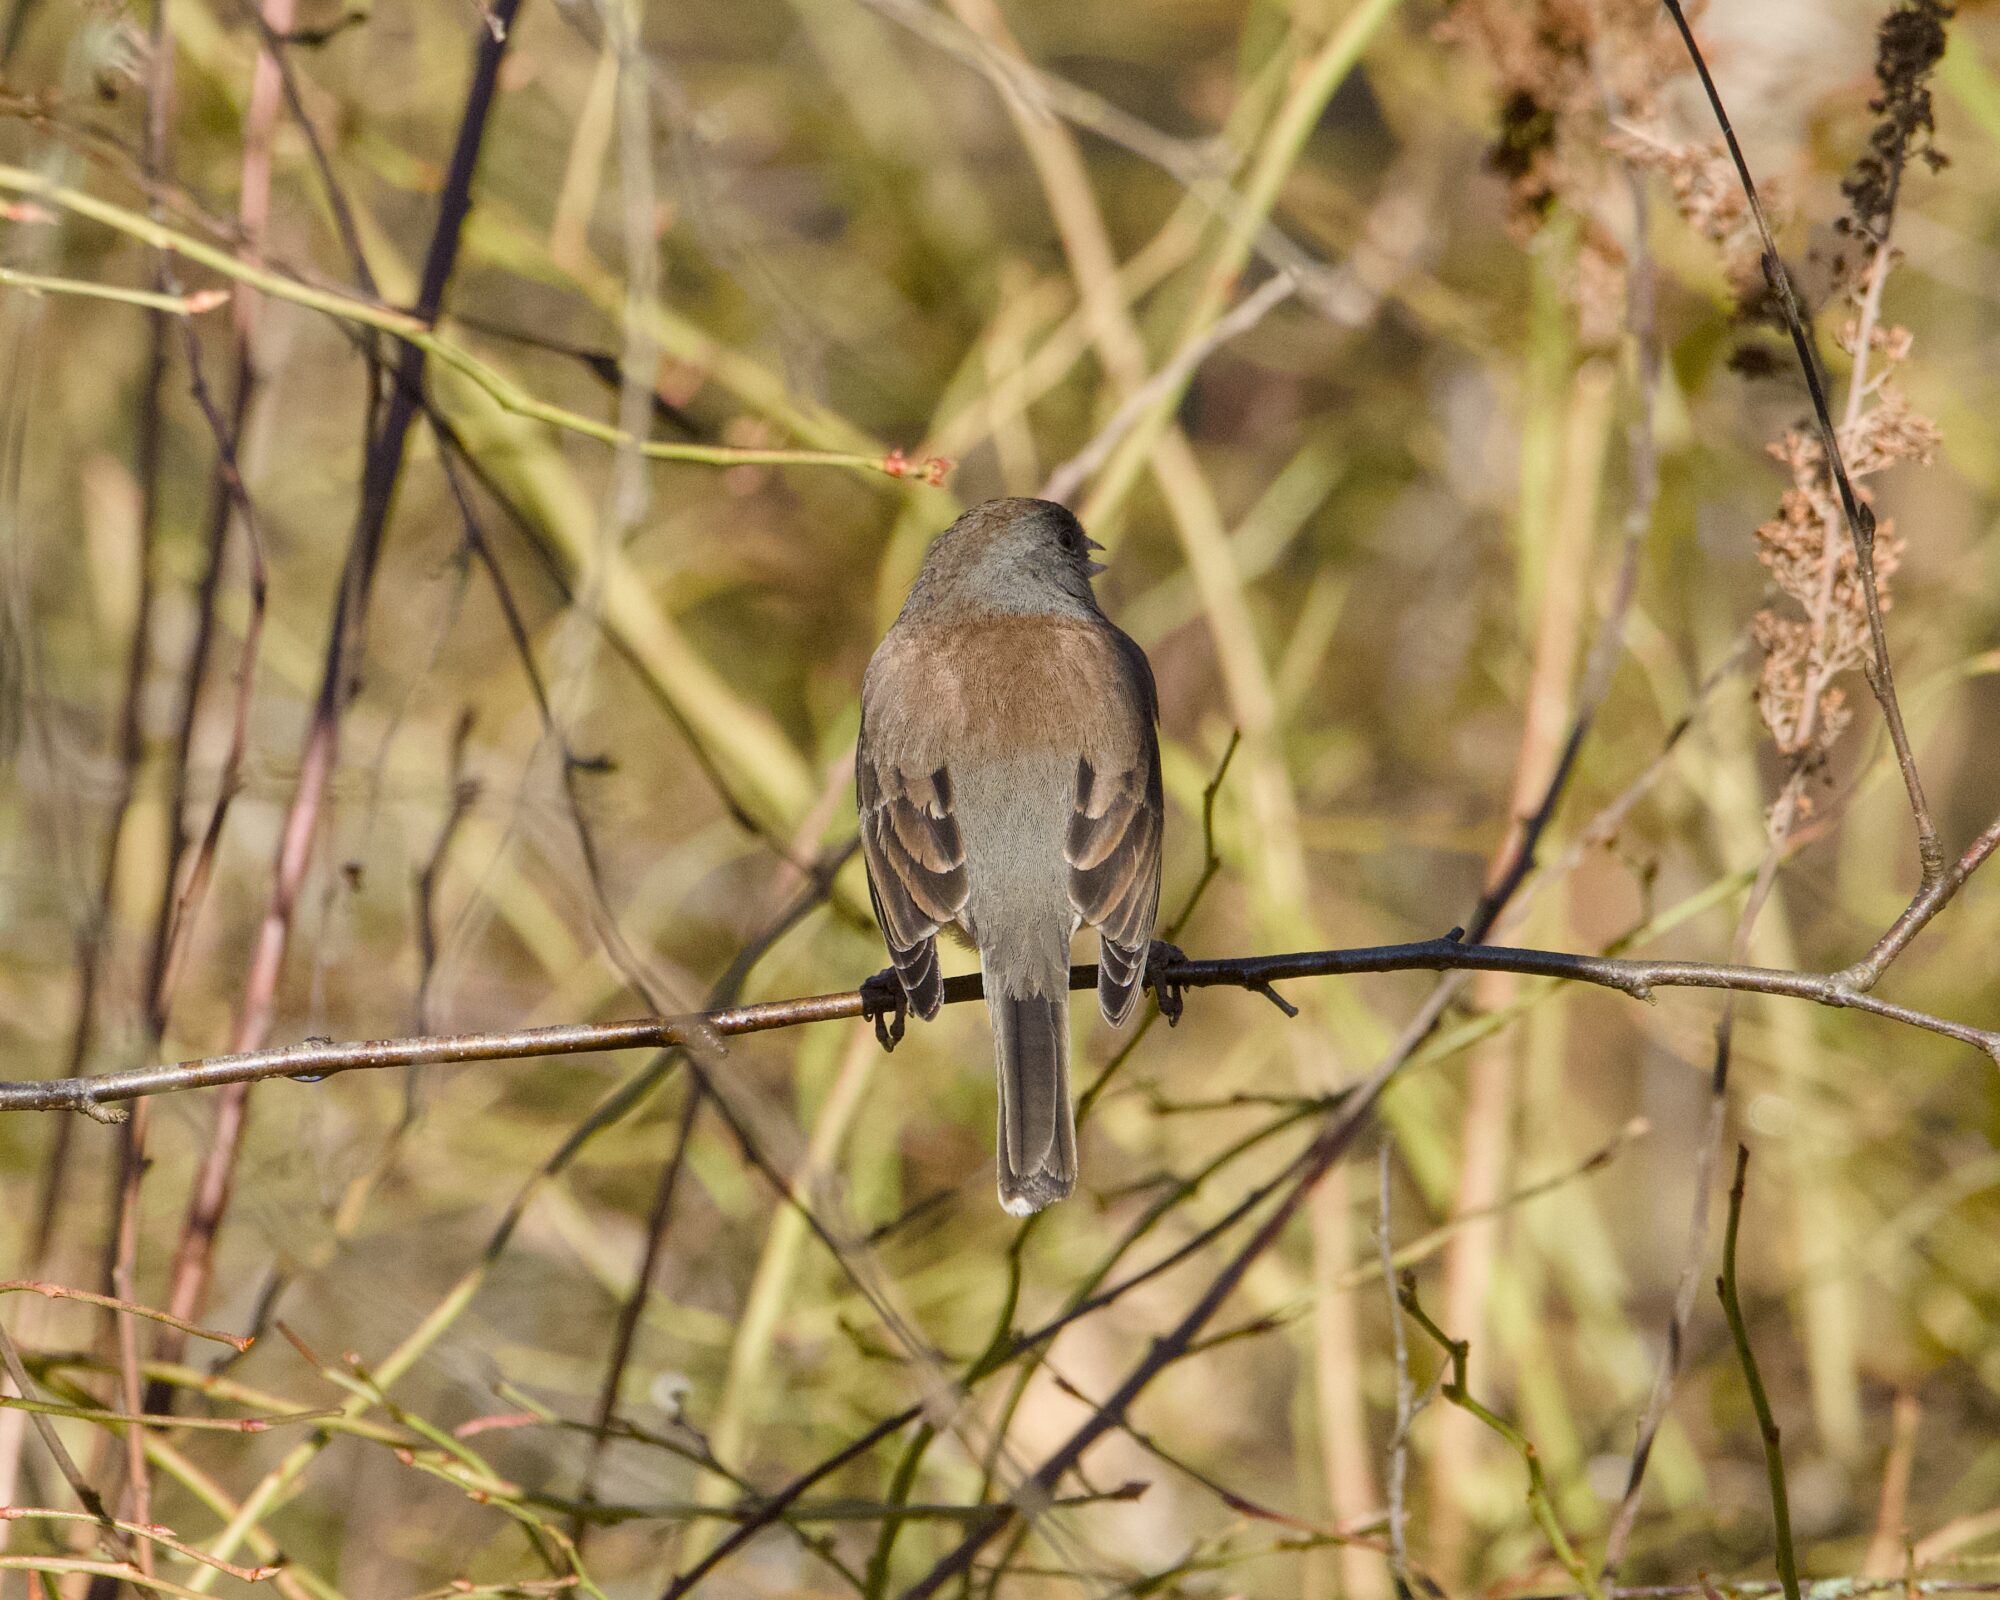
(1888, 1546)
(1312, 86)
(1342, 1408)
(1563, 556)
(583, 172)
(771, 1284)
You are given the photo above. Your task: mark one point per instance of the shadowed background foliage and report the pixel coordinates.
(1376, 536)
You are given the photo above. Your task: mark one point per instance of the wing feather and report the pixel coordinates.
(916, 868)
(1113, 844)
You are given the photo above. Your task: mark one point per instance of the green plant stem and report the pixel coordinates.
(1767, 1424)
(503, 391)
(1322, 75)
(179, 305)
(1539, 1503)
(877, 1579)
(64, 1566)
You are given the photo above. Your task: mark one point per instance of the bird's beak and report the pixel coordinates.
(1093, 568)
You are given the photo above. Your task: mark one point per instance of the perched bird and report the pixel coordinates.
(1008, 777)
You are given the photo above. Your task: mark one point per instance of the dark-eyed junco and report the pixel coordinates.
(1008, 776)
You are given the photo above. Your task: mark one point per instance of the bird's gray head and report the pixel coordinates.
(1025, 556)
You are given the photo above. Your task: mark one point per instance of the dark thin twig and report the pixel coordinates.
(1767, 1425)
(1301, 1177)
(1860, 520)
(464, 792)
(606, 366)
(381, 469)
(604, 918)
(776, 1506)
(120, 1265)
(1682, 1313)
(1006, 1348)
(1211, 862)
(1230, 1498)
(276, 47)
(1406, 1390)
(1708, 1154)
(635, 1303)
(175, 902)
(317, 1059)
(182, 894)
(1918, 914)
(542, 544)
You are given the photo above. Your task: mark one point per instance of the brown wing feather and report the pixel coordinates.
(1113, 850)
(916, 869)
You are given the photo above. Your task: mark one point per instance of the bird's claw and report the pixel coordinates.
(884, 1003)
(1168, 993)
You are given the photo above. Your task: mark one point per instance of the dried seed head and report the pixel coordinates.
(1908, 47)
(1810, 556)
(1562, 68)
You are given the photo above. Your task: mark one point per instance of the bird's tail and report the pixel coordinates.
(1037, 1124)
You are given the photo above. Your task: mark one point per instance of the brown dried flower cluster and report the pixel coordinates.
(1807, 546)
(1565, 70)
(1581, 94)
(1908, 47)
(1560, 66)
(1811, 559)
(1709, 197)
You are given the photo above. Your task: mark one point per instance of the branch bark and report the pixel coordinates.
(321, 1058)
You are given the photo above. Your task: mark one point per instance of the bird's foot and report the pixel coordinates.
(1161, 956)
(884, 1003)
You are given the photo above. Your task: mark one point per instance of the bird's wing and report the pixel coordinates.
(916, 867)
(1115, 825)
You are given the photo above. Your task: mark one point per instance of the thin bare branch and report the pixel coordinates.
(315, 1059)
(1071, 476)
(1200, 167)
(1406, 1391)
(1918, 914)
(57, 1291)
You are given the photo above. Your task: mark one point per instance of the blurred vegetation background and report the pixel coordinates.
(595, 716)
